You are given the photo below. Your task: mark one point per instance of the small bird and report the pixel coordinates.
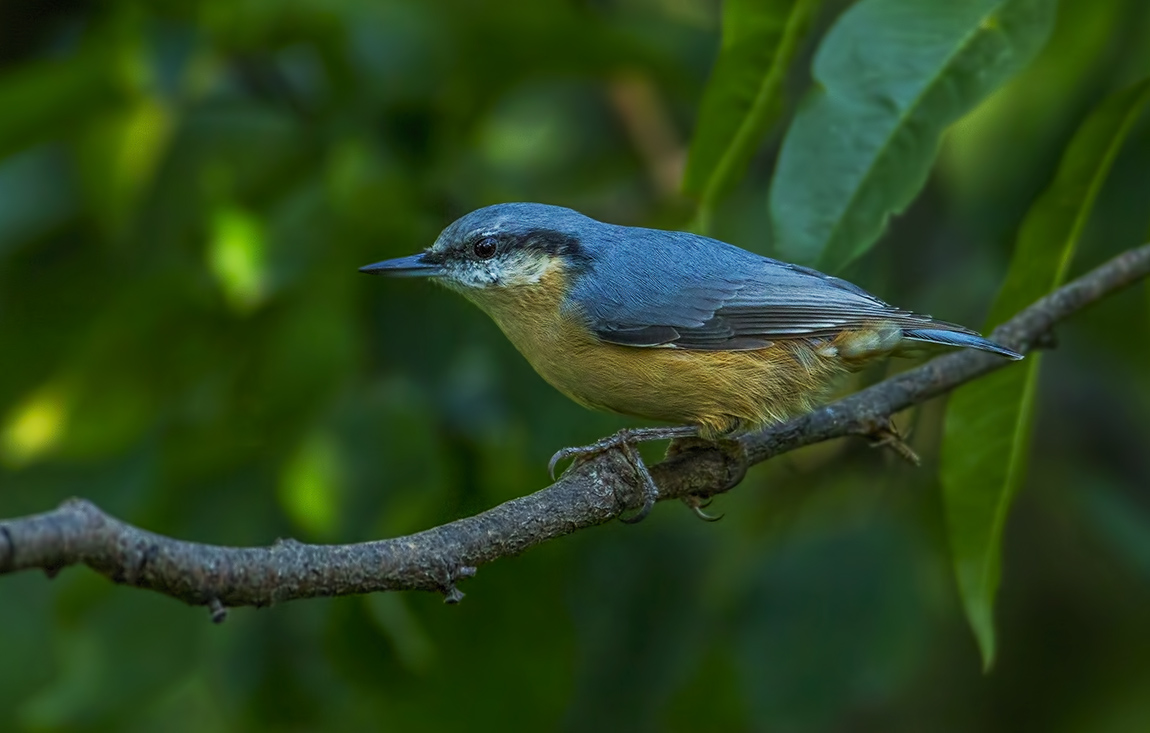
(666, 325)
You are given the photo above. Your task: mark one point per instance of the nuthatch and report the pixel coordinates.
(664, 325)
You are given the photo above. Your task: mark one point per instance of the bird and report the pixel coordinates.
(664, 325)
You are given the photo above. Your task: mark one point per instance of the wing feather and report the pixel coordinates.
(648, 288)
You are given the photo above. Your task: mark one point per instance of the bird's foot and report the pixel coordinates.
(625, 442)
(735, 458)
(890, 437)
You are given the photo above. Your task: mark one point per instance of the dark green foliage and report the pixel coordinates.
(744, 95)
(186, 191)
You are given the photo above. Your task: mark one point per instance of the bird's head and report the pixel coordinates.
(499, 247)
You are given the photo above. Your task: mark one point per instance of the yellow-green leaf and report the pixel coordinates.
(744, 96)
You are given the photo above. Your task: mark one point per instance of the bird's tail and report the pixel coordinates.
(962, 338)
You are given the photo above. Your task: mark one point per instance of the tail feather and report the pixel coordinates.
(959, 338)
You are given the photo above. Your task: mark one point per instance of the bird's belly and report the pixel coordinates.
(720, 391)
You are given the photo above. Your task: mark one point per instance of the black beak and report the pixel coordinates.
(410, 266)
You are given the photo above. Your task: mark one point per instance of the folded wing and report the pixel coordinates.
(689, 292)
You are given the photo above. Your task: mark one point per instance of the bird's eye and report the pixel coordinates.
(485, 248)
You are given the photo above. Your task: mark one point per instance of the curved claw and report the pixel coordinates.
(560, 455)
(698, 505)
(698, 510)
(639, 516)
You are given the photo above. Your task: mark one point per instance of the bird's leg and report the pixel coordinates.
(625, 441)
(626, 436)
(888, 436)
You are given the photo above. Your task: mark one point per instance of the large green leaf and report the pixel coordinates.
(744, 96)
(889, 77)
(988, 422)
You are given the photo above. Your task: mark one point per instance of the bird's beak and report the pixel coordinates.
(410, 266)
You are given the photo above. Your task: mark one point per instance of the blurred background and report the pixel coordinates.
(186, 191)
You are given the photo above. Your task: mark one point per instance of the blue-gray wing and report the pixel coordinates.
(648, 288)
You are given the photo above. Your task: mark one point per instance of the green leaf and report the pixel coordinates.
(988, 422)
(744, 97)
(890, 76)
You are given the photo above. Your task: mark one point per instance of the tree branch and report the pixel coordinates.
(591, 493)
